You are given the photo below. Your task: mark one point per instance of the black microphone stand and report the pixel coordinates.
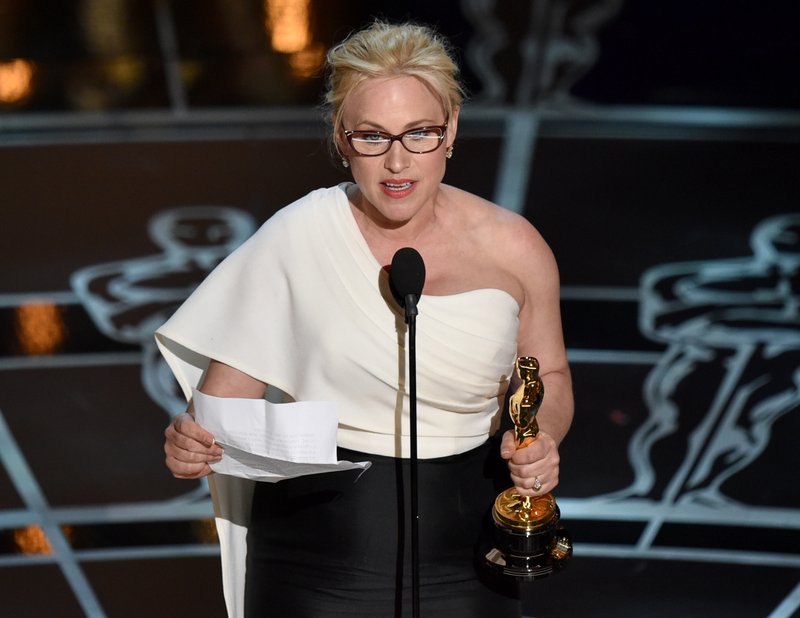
(407, 278)
(411, 320)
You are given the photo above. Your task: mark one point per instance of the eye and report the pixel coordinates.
(420, 134)
(369, 137)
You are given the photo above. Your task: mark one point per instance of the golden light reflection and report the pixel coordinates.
(16, 80)
(109, 83)
(40, 328)
(126, 70)
(32, 541)
(107, 27)
(206, 530)
(288, 24)
(190, 71)
(307, 62)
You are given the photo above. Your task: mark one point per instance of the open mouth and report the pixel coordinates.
(397, 186)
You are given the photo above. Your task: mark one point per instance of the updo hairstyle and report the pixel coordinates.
(387, 50)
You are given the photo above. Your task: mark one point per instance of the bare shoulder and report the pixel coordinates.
(501, 247)
(507, 235)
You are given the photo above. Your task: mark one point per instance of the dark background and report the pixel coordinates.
(665, 132)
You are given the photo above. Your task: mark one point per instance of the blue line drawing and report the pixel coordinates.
(129, 299)
(732, 365)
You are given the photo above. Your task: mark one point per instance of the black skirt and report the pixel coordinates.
(335, 544)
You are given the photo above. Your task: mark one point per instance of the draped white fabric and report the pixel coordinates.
(304, 306)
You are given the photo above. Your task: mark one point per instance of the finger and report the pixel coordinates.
(528, 486)
(183, 470)
(190, 436)
(542, 449)
(186, 425)
(528, 455)
(181, 443)
(507, 445)
(527, 470)
(190, 456)
(547, 467)
(524, 476)
(523, 491)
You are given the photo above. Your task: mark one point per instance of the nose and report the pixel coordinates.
(397, 158)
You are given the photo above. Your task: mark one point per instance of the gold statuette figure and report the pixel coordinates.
(531, 542)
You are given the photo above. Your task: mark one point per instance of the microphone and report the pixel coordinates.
(406, 279)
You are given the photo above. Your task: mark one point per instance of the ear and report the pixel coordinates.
(342, 147)
(452, 126)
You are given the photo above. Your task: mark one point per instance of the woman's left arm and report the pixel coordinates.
(541, 335)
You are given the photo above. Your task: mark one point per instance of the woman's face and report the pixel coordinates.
(399, 184)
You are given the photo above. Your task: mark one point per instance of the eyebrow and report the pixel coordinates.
(374, 126)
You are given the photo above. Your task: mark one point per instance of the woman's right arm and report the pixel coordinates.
(188, 447)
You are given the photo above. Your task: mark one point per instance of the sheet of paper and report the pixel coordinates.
(267, 441)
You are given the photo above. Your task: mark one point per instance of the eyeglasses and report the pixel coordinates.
(376, 143)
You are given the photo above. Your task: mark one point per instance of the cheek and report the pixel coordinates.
(437, 165)
(362, 170)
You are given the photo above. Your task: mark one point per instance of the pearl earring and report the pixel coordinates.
(449, 152)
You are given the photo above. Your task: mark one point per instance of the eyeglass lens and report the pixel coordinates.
(418, 141)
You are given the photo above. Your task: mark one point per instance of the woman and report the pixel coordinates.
(303, 306)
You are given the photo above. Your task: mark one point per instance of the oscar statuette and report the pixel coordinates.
(530, 541)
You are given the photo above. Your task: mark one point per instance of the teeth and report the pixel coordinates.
(397, 187)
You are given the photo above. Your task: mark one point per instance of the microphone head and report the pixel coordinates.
(407, 275)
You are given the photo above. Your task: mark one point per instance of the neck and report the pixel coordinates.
(378, 230)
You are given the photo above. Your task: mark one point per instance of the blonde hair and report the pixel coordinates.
(387, 50)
